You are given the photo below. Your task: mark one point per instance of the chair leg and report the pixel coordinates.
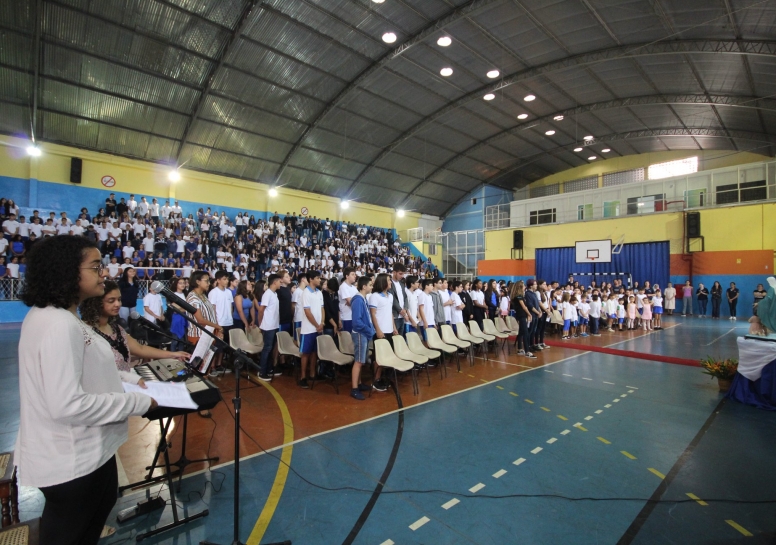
(428, 375)
(458, 360)
(415, 389)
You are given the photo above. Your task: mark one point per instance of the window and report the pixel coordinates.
(624, 177)
(432, 249)
(545, 190)
(584, 212)
(646, 204)
(540, 217)
(582, 184)
(694, 198)
(611, 209)
(673, 168)
(743, 192)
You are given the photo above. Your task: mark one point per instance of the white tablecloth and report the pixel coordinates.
(753, 356)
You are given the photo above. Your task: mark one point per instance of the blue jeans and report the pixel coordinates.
(269, 343)
(702, 304)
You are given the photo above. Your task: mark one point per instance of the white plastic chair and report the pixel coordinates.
(464, 335)
(448, 336)
(490, 329)
(436, 343)
(475, 330)
(346, 343)
(287, 347)
(385, 357)
(327, 351)
(416, 345)
(255, 336)
(239, 341)
(513, 325)
(403, 351)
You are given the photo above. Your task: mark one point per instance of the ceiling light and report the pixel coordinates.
(444, 41)
(400, 213)
(589, 138)
(592, 158)
(446, 72)
(577, 149)
(558, 118)
(529, 98)
(273, 192)
(174, 175)
(523, 116)
(605, 150)
(389, 37)
(344, 205)
(489, 96)
(33, 150)
(378, 1)
(493, 74)
(550, 133)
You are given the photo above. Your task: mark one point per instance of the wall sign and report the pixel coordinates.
(305, 211)
(108, 181)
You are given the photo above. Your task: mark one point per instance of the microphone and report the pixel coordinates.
(172, 298)
(145, 322)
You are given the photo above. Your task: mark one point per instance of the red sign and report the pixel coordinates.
(108, 181)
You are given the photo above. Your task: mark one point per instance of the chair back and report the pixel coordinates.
(386, 358)
(477, 332)
(237, 335)
(513, 324)
(501, 327)
(402, 351)
(434, 341)
(255, 336)
(416, 346)
(448, 336)
(286, 344)
(490, 329)
(346, 343)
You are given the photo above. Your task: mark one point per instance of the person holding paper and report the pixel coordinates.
(101, 314)
(73, 409)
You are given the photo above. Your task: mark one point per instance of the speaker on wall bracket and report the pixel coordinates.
(76, 165)
(692, 227)
(517, 244)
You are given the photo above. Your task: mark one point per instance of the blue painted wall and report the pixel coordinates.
(466, 216)
(746, 285)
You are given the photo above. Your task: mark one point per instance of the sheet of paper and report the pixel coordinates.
(203, 351)
(166, 394)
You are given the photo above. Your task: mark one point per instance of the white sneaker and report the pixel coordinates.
(734, 318)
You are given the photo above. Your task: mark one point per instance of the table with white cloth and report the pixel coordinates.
(755, 382)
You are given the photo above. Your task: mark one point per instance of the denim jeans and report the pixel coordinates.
(715, 301)
(687, 305)
(702, 306)
(269, 343)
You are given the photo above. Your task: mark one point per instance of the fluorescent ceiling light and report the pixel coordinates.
(550, 133)
(523, 116)
(558, 118)
(529, 98)
(589, 138)
(446, 72)
(273, 192)
(378, 1)
(493, 74)
(444, 41)
(605, 150)
(592, 158)
(400, 213)
(174, 175)
(577, 149)
(344, 204)
(33, 150)
(489, 96)
(389, 37)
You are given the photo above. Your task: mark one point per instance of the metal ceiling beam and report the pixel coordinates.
(249, 9)
(36, 68)
(646, 100)
(740, 47)
(447, 19)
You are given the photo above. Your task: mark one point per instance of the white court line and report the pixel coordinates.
(552, 440)
(519, 461)
(451, 503)
(476, 488)
(567, 375)
(612, 383)
(624, 395)
(718, 338)
(585, 378)
(387, 542)
(547, 371)
(499, 473)
(608, 406)
(537, 450)
(630, 391)
(588, 418)
(565, 432)
(599, 411)
(418, 523)
(615, 400)
(631, 387)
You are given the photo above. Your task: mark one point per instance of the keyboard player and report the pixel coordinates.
(101, 313)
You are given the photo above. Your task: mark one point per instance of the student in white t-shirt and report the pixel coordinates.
(312, 326)
(426, 305)
(447, 303)
(223, 301)
(381, 309)
(346, 292)
(412, 321)
(297, 305)
(269, 323)
(457, 308)
(595, 314)
(152, 304)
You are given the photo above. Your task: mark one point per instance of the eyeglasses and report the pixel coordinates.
(99, 268)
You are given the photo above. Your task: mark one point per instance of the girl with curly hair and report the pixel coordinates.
(74, 411)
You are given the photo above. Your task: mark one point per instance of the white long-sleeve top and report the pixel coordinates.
(74, 410)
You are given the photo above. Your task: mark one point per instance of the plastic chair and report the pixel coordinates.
(475, 330)
(346, 343)
(239, 341)
(327, 351)
(287, 347)
(255, 337)
(385, 357)
(416, 346)
(501, 326)
(448, 336)
(402, 351)
(513, 324)
(490, 329)
(464, 335)
(436, 343)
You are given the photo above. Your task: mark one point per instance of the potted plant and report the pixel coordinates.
(723, 370)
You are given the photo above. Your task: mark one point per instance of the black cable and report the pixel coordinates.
(490, 496)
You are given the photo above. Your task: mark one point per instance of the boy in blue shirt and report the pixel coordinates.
(363, 331)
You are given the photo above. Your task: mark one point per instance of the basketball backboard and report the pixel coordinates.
(594, 251)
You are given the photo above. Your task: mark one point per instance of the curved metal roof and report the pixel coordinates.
(305, 93)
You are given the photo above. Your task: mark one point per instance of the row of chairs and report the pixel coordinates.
(403, 356)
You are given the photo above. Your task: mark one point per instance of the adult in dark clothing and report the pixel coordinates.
(129, 288)
(732, 297)
(716, 299)
(492, 298)
(331, 316)
(521, 314)
(702, 294)
(400, 302)
(532, 302)
(468, 305)
(759, 294)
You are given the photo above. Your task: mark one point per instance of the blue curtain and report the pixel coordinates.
(644, 260)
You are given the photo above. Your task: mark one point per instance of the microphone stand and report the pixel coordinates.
(241, 360)
(150, 328)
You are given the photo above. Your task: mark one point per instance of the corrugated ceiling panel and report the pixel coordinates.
(424, 150)
(407, 165)
(358, 128)
(234, 140)
(259, 121)
(13, 118)
(370, 193)
(15, 84)
(17, 14)
(413, 96)
(223, 12)
(313, 181)
(350, 148)
(383, 109)
(62, 128)
(16, 50)
(328, 164)
(385, 178)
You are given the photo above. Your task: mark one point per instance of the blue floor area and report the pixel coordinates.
(483, 466)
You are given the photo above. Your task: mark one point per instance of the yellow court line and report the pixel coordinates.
(500, 387)
(740, 528)
(467, 374)
(604, 441)
(485, 381)
(696, 498)
(656, 472)
(545, 409)
(513, 394)
(529, 401)
(561, 417)
(580, 427)
(282, 474)
(628, 454)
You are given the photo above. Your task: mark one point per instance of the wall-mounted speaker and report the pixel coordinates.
(517, 240)
(76, 165)
(693, 224)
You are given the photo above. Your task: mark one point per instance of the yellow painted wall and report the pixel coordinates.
(707, 160)
(744, 227)
(150, 180)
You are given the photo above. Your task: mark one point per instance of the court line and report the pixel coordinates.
(718, 338)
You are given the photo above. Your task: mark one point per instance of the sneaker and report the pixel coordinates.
(364, 387)
(545, 346)
(276, 373)
(355, 394)
(379, 385)
(734, 318)
(596, 334)
(529, 355)
(521, 352)
(583, 334)
(303, 384)
(227, 370)
(576, 335)
(265, 377)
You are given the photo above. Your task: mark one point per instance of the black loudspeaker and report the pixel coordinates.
(693, 224)
(76, 165)
(517, 240)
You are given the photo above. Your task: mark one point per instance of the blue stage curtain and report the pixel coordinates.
(644, 260)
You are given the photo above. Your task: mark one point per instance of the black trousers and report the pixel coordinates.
(76, 511)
